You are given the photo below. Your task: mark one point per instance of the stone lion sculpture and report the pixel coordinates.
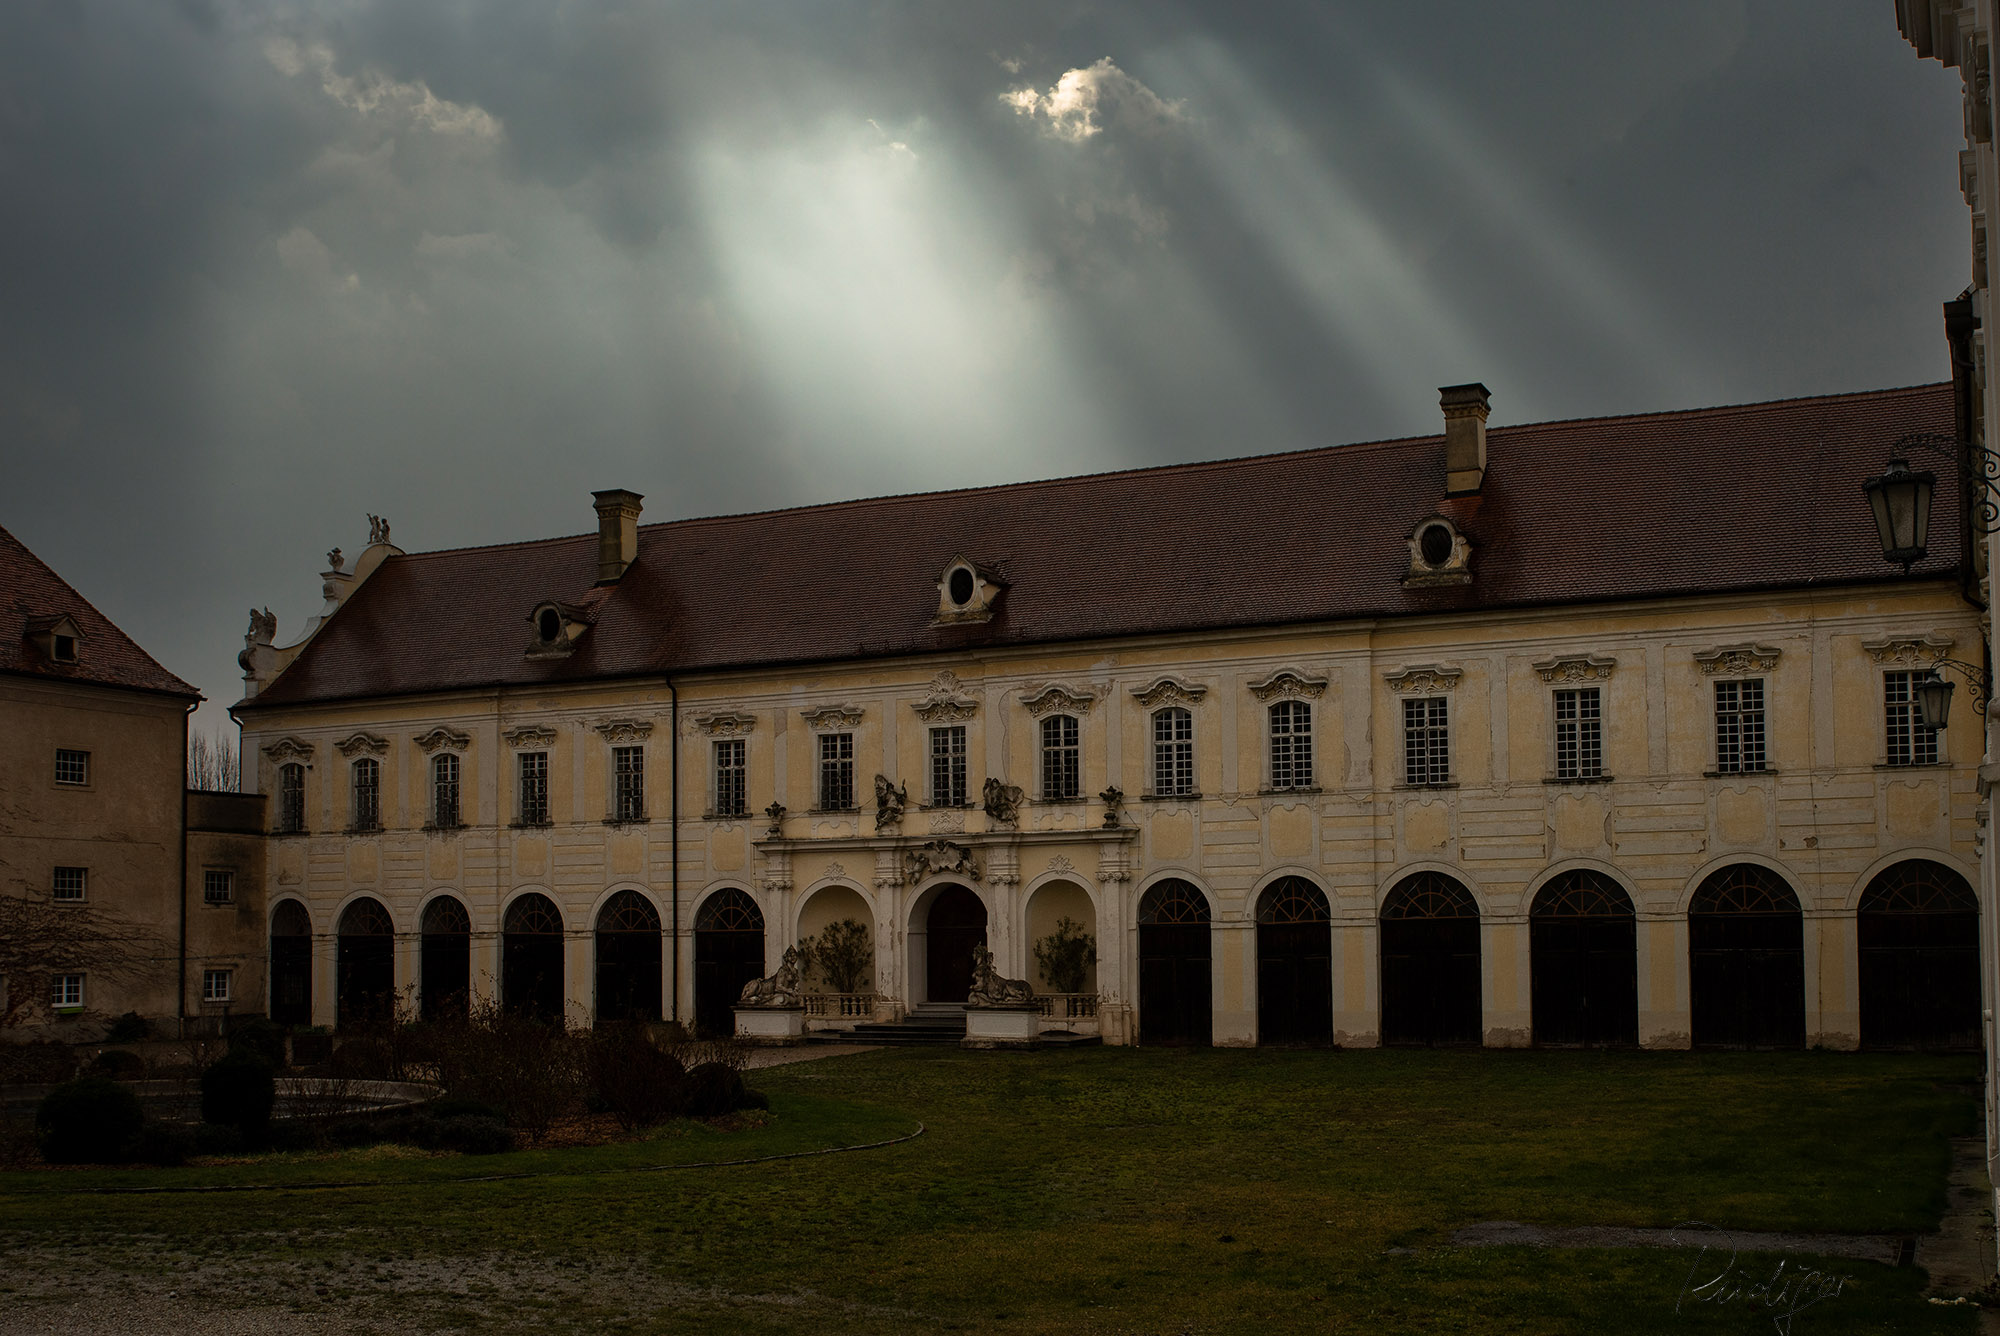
(991, 990)
(775, 990)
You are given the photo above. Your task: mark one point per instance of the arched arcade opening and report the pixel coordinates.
(1294, 964)
(1746, 966)
(1176, 970)
(365, 966)
(445, 960)
(291, 964)
(628, 959)
(1583, 962)
(1918, 927)
(531, 958)
(728, 953)
(1430, 962)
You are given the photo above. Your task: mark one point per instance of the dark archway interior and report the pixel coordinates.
(1746, 967)
(628, 959)
(728, 953)
(953, 926)
(365, 969)
(445, 982)
(1430, 963)
(531, 958)
(1583, 962)
(1176, 978)
(1294, 964)
(291, 965)
(1918, 926)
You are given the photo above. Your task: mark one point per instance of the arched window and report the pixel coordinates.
(728, 953)
(628, 959)
(1294, 963)
(365, 967)
(446, 959)
(291, 798)
(1583, 962)
(1430, 962)
(1919, 936)
(1173, 752)
(1176, 970)
(1291, 745)
(444, 791)
(367, 774)
(531, 958)
(1746, 967)
(291, 964)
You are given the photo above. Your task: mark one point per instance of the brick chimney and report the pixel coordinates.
(617, 533)
(1465, 408)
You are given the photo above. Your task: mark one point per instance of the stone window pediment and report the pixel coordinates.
(1423, 678)
(1910, 650)
(1058, 698)
(946, 701)
(362, 743)
(624, 730)
(1289, 684)
(724, 723)
(832, 718)
(1740, 660)
(290, 749)
(1169, 690)
(530, 735)
(1576, 668)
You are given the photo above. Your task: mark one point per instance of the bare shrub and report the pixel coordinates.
(639, 1084)
(535, 1072)
(693, 1050)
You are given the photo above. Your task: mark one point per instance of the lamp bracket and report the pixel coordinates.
(1977, 466)
(1975, 677)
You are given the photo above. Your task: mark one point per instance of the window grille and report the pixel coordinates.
(948, 766)
(1739, 726)
(215, 985)
(444, 791)
(1062, 771)
(1173, 752)
(836, 772)
(629, 765)
(1908, 744)
(72, 767)
(1426, 741)
(1579, 734)
(1291, 745)
(291, 798)
(367, 794)
(67, 990)
(67, 886)
(731, 778)
(533, 770)
(218, 886)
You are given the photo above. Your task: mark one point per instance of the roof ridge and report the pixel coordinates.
(1719, 409)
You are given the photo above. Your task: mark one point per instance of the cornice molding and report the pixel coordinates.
(827, 717)
(945, 702)
(624, 730)
(1737, 660)
(443, 737)
(1576, 668)
(1424, 677)
(1059, 696)
(530, 735)
(1917, 650)
(1289, 684)
(1169, 690)
(354, 746)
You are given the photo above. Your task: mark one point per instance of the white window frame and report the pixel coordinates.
(66, 992)
(447, 791)
(1289, 749)
(56, 888)
(1736, 715)
(80, 759)
(368, 795)
(210, 992)
(1437, 738)
(1173, 756)
(524, 762)
(1924, 746)
(208, 881)
(950, 786)
(729, 788)
(1576, 733)
(836, 772)
(628, 782)
(291, 817)
(1062, 759)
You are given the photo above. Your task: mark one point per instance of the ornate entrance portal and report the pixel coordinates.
(955, 925)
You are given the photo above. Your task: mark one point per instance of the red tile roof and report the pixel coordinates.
(32, 597)
(1753, 497)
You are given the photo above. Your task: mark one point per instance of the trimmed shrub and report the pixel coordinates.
(262, 1038)
(91, 1121)
(119, 1064)
(238, 1092)
(634, 1081)
(129, 1029)
(712, 1090)
(166, 1144)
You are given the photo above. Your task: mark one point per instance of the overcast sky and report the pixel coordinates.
(270, 267)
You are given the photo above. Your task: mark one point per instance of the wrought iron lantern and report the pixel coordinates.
(1901, 501)
(1933, 695)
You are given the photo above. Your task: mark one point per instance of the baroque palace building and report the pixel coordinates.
(1598, 731)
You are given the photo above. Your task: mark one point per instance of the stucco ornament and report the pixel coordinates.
(990, 989)
(890, 800)
(1003, 802)
(775, 990)
(940, 858)
(946, 702)
(1113, 799)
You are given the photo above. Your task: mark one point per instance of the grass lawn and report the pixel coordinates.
(1116, 1190)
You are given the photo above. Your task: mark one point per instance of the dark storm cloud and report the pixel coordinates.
(272, 266)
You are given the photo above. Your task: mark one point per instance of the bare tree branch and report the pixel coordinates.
(214, 763)
(40, 940)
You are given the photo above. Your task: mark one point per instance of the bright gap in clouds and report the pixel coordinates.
(879, 285)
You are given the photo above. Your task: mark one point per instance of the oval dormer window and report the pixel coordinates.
(1435, 544)
(961, 586)
(549, 624)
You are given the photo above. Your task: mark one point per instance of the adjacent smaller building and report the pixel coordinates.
(99, 825)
